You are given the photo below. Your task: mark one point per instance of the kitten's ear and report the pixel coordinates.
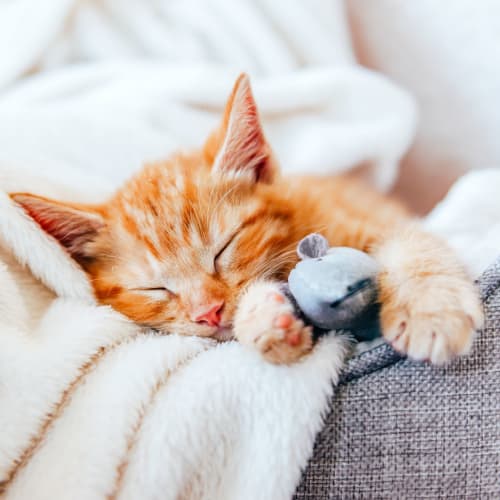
(238, 146)
(74, 226)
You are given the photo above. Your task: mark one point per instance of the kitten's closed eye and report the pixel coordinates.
(219, 254)
(155, 293)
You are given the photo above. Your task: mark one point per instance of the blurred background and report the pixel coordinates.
(447, 55)
(403, 92)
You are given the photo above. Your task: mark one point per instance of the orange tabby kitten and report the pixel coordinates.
(197, 244)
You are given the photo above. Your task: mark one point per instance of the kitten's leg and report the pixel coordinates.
(265, 320)
(429, 307)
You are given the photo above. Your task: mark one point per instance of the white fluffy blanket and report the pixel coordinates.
(90, 406)
(94, 408)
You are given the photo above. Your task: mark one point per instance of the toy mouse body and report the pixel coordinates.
(336, 288)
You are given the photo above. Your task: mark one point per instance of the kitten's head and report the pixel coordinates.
(176, 245)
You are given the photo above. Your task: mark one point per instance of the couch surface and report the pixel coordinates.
(400, 429)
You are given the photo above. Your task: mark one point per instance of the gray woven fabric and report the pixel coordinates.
(403, 430)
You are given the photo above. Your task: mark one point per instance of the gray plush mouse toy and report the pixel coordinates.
(336, 288)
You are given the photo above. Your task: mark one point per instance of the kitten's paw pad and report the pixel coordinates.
(281, 344)
(266, 321)
(436, 324)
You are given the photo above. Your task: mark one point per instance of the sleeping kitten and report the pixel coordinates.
(197, 244)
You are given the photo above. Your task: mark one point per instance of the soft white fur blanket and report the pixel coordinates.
(94, 408)
(91, 407)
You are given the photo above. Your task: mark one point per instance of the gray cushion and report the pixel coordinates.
(400, 429)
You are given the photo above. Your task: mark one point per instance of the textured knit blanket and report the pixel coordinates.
(400, 429)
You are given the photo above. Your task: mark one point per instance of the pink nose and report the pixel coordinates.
(211, 314)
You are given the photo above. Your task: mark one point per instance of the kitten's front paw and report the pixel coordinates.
(432, 318)
(265, 320)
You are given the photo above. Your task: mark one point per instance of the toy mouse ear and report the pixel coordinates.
(312, 246)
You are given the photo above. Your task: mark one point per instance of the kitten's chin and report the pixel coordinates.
(223, 334)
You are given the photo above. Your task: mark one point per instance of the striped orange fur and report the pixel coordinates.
(200, 227)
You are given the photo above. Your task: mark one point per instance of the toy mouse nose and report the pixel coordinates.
(209, 314)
